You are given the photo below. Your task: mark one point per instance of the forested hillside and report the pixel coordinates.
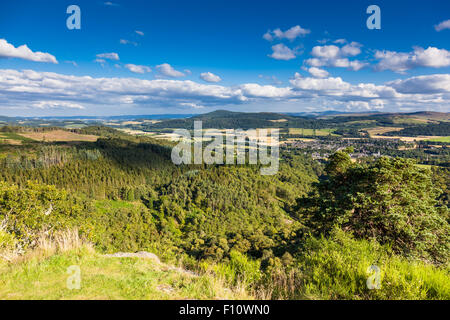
(310, 231)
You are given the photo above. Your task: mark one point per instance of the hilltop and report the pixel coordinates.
(43, 275)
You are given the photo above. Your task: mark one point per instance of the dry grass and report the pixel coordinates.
(42, 274)
(280, 286)
(59, 136)
(11, 141)
(49, 244)
(375, 132)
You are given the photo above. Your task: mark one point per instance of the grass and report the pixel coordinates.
(338, 268)
(440, 139)
(13, 138)
(43, 274)
(406, 120)
(375, 132)
(105, 206)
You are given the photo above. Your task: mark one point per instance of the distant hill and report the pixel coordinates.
(222, 119)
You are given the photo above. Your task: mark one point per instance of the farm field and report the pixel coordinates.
(440, 139)
(377, 131)
(59, 136)
(312, 132)
(12, 138)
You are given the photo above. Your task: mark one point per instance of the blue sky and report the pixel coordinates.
(148, 57)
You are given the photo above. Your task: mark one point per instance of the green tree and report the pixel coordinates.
(390, 200)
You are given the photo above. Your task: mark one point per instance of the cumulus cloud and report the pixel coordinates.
(314, 84)
(137, 69)
(167, 70)
(34, 89)
(210, 77)
(282, 52)
(317, 72)
(419, 57)
(443, 25)
(7, 50)
(290, 34)
(334, 56)
(429, 84)
(109, 56)
(57, 105)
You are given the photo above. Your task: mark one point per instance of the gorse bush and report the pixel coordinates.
(237, 269)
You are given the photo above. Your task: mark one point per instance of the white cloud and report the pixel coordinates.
(32, 89)
(7, 50)
(109, 56)
(167, 70)
(268, 36)
(403, 61)
(356, 65)
(139, 32)
(101, 61)
(318, 73)
(429, 84)
(254, 90)
(340, 41)
(57, 105)
(326, 52)
(334, 56)
(351, 49)
(124, 41)
(328, 84)
(191, 105)
(443, 25)
(137, 69)
(282, 52)
(210, 77)
(290, 34)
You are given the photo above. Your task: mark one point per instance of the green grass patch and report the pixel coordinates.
(105, 278)
(105, 206)
(338, 268)
(14, 136)
(440, 139)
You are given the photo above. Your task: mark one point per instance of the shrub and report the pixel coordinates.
(338, 268)
(238, 270)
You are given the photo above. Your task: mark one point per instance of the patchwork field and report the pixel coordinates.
(378, 131)
(12, 138)
(59, 136)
